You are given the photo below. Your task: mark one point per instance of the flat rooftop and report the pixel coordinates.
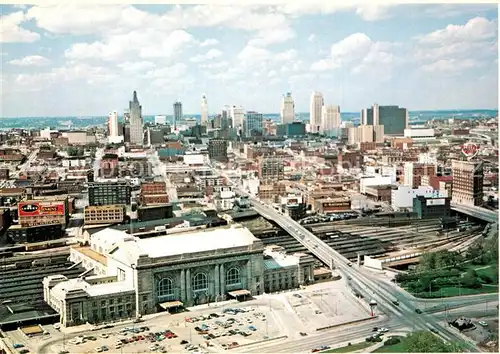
(184, 243)
(89, 252)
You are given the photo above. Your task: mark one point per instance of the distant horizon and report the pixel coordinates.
(187, 115)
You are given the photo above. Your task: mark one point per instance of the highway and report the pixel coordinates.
(381, 293)
(478, 212)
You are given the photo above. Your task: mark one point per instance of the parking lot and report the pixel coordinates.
(325, 306)
(212, 328)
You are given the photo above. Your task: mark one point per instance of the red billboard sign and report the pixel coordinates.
(38, 208)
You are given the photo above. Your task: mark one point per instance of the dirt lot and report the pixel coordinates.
(485, 336)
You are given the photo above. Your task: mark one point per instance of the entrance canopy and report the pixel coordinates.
(237, 293)
(170, 304)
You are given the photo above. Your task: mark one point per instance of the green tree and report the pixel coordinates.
(470, 279)
(426, 342)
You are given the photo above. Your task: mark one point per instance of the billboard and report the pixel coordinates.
(430, 202)
(40, 209)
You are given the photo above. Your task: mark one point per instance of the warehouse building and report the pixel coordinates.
(104, 214)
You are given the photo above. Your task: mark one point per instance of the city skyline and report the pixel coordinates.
(430, 58)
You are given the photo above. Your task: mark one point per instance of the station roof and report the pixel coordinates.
(128, 251)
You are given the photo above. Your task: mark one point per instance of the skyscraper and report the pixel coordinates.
(113, 124)
(204, 111)
(315, 111)
(238, 116)
(177, 113)
(287, 111)
(393, 118)
(253, 124)
(136, 122)
(330, 120)
(467, 185)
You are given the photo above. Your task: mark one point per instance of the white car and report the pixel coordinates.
(482, 323)
(383, 330)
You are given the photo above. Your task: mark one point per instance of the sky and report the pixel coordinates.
(65, 60)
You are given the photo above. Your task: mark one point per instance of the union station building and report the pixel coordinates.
(128, 276)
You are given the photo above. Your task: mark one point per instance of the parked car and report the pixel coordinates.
(482, 323)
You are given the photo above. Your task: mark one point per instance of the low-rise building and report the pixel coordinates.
(283, 271)
(329, 205)
(431, 207)
(104, 214)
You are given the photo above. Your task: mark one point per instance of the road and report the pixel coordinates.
(482, 213)
(379, 292)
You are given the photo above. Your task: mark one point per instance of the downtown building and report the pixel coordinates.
(467, 185)
(136, 122)
(109, 193)
(393, 118)
(330, 120)
(217, 150)
(315, 112)
(253, 124)
(287, 111)
(204, 111)
(178, 116)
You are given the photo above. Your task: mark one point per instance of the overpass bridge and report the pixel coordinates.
(476, 212)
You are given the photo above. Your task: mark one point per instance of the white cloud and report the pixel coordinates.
(209, 42)
(358, 53)
(311, 38)
(368, 12)
(272, 36)
(12, 32)
(457, 47)
(374, 12)
(450, 65)
(88, 19)
(170, 72)
(211, 54)
(137, 67)
(271, 73)
(32, 60)
(216, 65)
(144, 43)
(475, 30)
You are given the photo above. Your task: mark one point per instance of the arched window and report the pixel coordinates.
(165, 288)
(233, 276)
(200, 282)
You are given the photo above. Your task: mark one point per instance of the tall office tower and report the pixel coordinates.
(225, 118)
(467, 185)
(204, 111)
(287, 111)
(363, 118)
(253, 124)
(315, 111)
(378, 133)
(238, 116)
(160, 120)
(177, 113)
(113, 124)
(393, 118)
(136, 122)
(330, 120)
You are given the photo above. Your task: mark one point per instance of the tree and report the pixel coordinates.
(470, 279)
(426, 342)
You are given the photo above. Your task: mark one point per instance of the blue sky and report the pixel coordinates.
(55, 62)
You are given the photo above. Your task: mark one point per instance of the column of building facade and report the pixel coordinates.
(222, 279)
(183, 286)
(248, 284)
(189, 295)
(217, 283)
